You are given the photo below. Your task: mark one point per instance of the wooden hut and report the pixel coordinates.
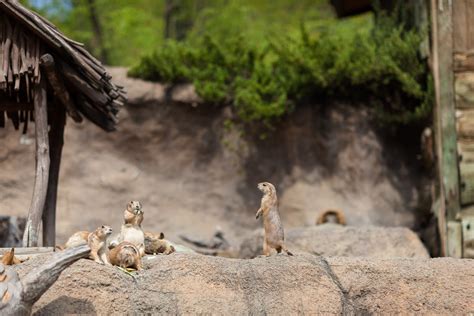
(44, 77)
(453, 70)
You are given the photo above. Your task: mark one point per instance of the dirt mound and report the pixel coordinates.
(333, 240)
(192, 172)
(307, 284)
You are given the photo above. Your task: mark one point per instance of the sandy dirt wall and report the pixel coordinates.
(193, 174)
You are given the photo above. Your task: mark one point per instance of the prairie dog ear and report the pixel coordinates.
(162, 236)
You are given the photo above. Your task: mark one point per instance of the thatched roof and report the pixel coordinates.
(24, 37)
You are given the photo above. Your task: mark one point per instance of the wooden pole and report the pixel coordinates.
(445, 123)
(56, 141)
(30, 237)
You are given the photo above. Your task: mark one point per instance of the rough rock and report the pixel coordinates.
(442, 286)
(334, 240)
(280, 284)
(196, 284)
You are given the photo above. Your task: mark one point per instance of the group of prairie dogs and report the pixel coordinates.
(126, 249)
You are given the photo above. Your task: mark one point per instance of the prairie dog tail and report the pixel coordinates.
(324, 217)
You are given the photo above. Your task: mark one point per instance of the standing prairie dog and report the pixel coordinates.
(325, 216)
(97, 241)
(133, 214)
(131, 229)
(274, 234)
(126, 255)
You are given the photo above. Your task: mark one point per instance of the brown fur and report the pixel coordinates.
(97, 241)
(324, 217)
(155, 243)
(9, 258)
(77, 239)
(133, 214)
(274, 234)
(126, 255)
(131, 230)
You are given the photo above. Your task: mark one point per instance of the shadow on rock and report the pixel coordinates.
(67, 305)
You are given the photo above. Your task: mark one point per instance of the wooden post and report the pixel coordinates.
(445, 121)
(56, 141)
(30, 237)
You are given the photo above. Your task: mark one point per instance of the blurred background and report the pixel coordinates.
(325, 99)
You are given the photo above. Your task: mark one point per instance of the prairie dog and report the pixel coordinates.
(274, 234)
(155, 243)
(97, 241)
(131, 230)
(77, 239)
(126, 255)
(337, 214)
(133, 214)
(9, 258)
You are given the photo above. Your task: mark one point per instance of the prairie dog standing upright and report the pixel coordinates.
(274, 234)
(131, 229)
(97, 241)
(133, 214)
(126, 255)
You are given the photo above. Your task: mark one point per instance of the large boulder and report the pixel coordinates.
(280, 284)
(334, 240)
(196, 284)
(441, 286)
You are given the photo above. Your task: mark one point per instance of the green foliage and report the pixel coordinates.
(129, 27)
(379, 65)
(261, 56)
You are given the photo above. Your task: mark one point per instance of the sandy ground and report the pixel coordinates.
(192, 174)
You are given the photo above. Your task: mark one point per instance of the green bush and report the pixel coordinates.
(376, 65)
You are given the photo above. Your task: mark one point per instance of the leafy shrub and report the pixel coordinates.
(379, 65)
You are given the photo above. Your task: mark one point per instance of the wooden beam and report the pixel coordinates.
(40, 279)
(30, 237)
(445, 121)
(81, 85)
(56, 141)
(59, 89)
(28, 251)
